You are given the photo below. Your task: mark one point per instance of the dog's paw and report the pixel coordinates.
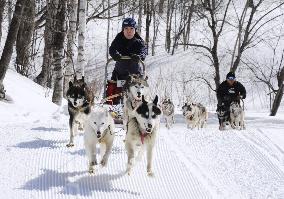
(70, 145)
(103, 162)
(91, 170)
(150, 174)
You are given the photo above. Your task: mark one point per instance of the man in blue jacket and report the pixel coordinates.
(127, 43)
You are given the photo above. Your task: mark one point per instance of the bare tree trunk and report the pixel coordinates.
(81, 59)
(120, 7)
(140, 9)
(71, 37)
(2, 6)
(148, 22)
(10, 11)
(155, 31)
(44, 78)
(170, 10)
(161, 6)
(279, 94)
(188, 24)
(58, 52)
(8, 48)
(24, 38)
(108, 28)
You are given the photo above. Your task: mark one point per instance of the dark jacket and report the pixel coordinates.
(227, 93)
(126, 47)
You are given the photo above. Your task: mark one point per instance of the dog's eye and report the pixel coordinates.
(79, 96)
(103, 123)
(136, 86)
(153, 116)
(142, 87)
(95, 122)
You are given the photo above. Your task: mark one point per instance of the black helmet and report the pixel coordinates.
(129, 22)
(231, 76)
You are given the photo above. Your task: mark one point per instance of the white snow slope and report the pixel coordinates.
(35, 163)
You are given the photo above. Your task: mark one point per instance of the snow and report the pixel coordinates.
(188, 163)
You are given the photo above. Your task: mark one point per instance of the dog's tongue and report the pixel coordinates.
(143, 134)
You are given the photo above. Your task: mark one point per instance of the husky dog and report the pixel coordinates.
(168, 109)
(195, 114)
(99, 128)
(80, 99)
(223, 116)
(135, 87)
(236, 116)
(142, 132)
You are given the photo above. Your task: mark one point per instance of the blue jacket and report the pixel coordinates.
(125, 47)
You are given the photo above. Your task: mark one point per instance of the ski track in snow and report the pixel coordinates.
(187, 164)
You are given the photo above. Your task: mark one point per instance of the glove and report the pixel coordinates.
(135, 57)
(116, 57)
(239, 97)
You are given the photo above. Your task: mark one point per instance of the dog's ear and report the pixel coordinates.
(70, 84)
(143, 100)
(156, 110)
(155, 100)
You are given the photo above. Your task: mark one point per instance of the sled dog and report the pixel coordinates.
(142, 132)
(80, 99)
(195, 115)
(236, 116)
(99, 129)
(135, 87)
(168, 110)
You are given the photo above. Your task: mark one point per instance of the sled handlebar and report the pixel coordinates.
(128, 58)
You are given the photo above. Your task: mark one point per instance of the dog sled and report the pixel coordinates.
(114, 92)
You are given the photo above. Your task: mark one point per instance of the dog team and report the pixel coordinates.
(141, 118)
(141, 114)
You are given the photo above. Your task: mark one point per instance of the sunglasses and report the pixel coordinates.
(231, 78)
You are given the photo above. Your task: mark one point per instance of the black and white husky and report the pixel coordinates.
(142, 132)
(168, 109)
(135, 87)
(237, 116)
(99, 129)
(195, 115)
(80, 99)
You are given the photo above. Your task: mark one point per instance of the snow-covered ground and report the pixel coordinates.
(35, 163)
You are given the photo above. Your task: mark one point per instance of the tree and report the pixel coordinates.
(248, 31)
(2, 6)
(214, 12)
(71, 38)
(24, 38)
(10, 41)
(270, 71)
(44, 77)
(81, 59)
(58, 50)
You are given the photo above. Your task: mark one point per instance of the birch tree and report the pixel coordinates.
(81, 59)
(71, 39)
(10, 41)
(58, 50)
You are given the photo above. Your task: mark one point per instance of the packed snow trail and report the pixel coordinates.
(187, 164)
